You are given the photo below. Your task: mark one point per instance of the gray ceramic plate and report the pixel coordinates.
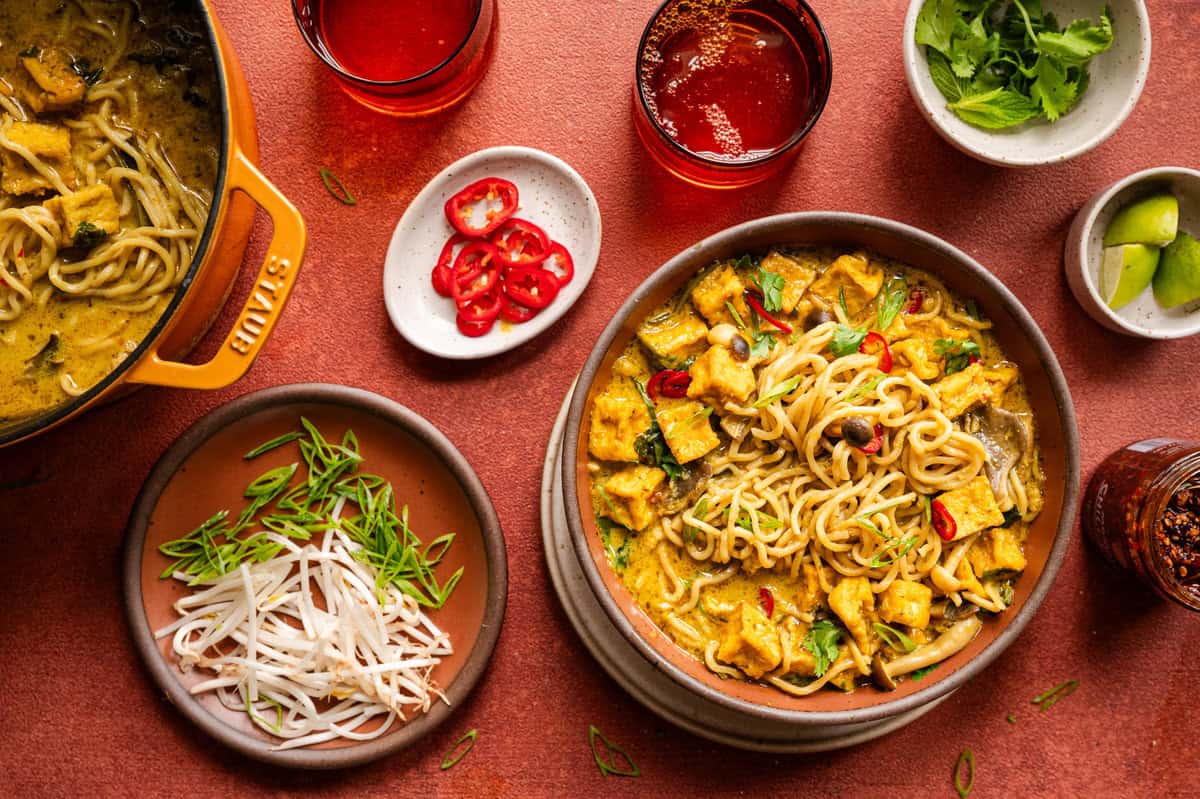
(203, 471)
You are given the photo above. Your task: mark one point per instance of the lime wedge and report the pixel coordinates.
(1125, 272)
(1178, 278)
(1154, 220)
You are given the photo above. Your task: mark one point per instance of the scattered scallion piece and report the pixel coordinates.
(1011, 719)
(278, 441)
(605, 753)
(892, 297)
(864, 389)
(460, 749)
(894, 638)
(340, 192)
(966, 759)
(780, 391)
(1050, 698)
(737, 317)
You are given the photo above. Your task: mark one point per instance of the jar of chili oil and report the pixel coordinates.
(1142, 510)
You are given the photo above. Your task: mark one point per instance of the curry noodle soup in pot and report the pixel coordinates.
(110, 137)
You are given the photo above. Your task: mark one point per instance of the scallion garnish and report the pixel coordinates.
(278, 441)
(967, 759)
(340, 193)
(737, 317)
(1049, 698)
(780, 391)
(894, 638)
(460, 749)
(608, 763)
(864, 389)
(921, 674)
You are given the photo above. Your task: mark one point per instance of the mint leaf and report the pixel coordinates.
(943, 76)
(998, 108)
(935, 24)
(1080, 42)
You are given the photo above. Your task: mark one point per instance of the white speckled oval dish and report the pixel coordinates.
(1117, 78)
(552, 196)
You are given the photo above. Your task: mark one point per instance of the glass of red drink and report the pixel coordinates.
(726, 90)
(406, 58)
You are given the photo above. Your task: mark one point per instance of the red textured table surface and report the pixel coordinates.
(79, 717)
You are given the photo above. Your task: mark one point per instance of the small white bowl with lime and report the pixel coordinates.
(1133, 255)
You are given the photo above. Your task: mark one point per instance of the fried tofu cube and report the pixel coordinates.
(94, 205)
(686, 428)
(796, 656)
(918, 357)
(675, 340)
(997, 555)
(854, 603)
(851, 275)
(56, 86)
(718, 378)
(973, 507)
(798, 273)
(632, 363)
(750, 641)
(975, 385)
(906, 602)
(50, 143)
(619, 416)
(716, 291)
(625, 498)
(810, 595)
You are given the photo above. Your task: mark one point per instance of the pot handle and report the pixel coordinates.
(263, 306)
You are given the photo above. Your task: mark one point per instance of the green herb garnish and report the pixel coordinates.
(278, 441)
(770, 285)
(618, 556)
(920, 674)
(747, 518)
(1050, 698)
(688, 423)
(340, 192)
(958, 354)
(651, 446)
(967, 759)
(1010, 718)
(893, 637)
(460, 749)
(846, 340)
(973, 311)
(1011, 517)
(864, 389)
(842, 302)
(737, 317)
(780, 391)
(689, 532)
(84, 69)
(608, 763)
(822, 641)
(997, 70)
(87, 235)
(891, 299)
(31, 51)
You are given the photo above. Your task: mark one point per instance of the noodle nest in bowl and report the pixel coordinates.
(815, 469)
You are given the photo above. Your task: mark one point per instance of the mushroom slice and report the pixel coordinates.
(952, 641)
(678, 494)
(1006, 438)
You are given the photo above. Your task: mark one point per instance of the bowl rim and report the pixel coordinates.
(177, 454)
(914, 58)
(724, 240)
(1077, 247)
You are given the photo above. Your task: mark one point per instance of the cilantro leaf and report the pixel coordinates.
(651, 446)
(846, 340)
(1051, 89)
(971, 47)
(1079, 43)
(771, 287)
(995, 109)
(935, 24)
(958, 354)
(822, 641)
(618, 556)
(762, 344)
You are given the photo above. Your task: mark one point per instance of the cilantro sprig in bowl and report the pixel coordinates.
(1026, 82)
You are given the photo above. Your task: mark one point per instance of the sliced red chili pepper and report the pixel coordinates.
(473, 329)
(513, 311)
(916, 299)
(441, 270)
(531, 286)
(755, 301)
(876, 443)
(482, 308)
(460, 207)
(767, 599)
(885, 353)
(557, 254)
(670, 383)
(943, 522)
(521, 243)
(972, 359)
(476, 271)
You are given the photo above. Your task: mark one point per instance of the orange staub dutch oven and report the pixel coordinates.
(240, 187)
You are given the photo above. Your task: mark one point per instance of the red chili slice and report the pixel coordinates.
(755, 301)
(916, 298)
(513, 311)
(767, 599)
(943, 522)
(885, 353)
(875, 444)
(557, 254)
(441, 270)
(521, 243)
(476, 271)
(531, 286)
(473, 329)
(482, 308)
(460, 207)
(669, 383)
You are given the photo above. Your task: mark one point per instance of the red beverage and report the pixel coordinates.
(402, 57)
(730, 85)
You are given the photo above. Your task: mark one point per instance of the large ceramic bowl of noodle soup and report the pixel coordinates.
(824, 469)
(125, 129)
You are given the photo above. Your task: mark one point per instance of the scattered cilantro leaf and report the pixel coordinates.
(958, 354)
(618, 555)
(846, 340)
(822, 641)
(770, 285)
(651, 446)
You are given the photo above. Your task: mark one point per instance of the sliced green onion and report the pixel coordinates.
(460, 749)
(781, 390)
(894, 638)
(864, 389)
(340, 193)
(921, 674)
(608, 763)
(1061, 691)
(967, 758)
(737, 317)
(278, 441)
(1011, 719)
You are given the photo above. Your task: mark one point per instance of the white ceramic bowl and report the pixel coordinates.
(553, 197)
(1117, 78)
(1143, 317)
